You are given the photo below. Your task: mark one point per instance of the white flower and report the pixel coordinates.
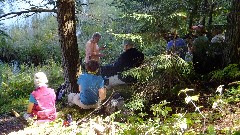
(183, 124)
(220, 89)
(188, 99)
(215, 104)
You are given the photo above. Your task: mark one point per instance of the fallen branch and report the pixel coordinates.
(97, 109)
(233, 83)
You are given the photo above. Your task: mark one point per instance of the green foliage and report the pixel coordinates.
(163, 74)
(16, 87)
(160, 109)
(136, 103)
(33, 43)
(230, 72)
(142, 21)
(173, 13)
(233, 95)
(160, 65)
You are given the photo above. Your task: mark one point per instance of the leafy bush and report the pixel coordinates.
(233, 95)
(229, 73)
(16, 87)
(34, 42)
(161, 75)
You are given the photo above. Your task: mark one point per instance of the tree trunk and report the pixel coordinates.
(68, 42)
(191, 16)
(233, 32)
(204, 12)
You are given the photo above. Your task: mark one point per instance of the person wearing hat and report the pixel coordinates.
(200, 49)
(130, 58)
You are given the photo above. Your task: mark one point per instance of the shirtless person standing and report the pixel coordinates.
(92, 48)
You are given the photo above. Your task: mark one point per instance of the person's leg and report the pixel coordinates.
(113, 81)
(77, 101)
(108, 70)
(71, 97)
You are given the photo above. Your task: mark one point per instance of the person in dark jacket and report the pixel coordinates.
(130, 58)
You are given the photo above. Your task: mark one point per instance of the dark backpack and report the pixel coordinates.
(61, 92)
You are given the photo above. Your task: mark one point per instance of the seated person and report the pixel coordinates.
(130, 58)
(91, 88)
(42, 100)
(176, 46)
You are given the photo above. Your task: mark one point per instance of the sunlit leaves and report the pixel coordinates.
(161, 109)
(136, 103)
(162, 64)
(185, 91)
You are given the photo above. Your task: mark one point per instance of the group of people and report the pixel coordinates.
(196, 47)
(91, 83)
(130, 58)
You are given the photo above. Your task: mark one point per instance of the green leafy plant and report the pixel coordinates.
(229, 73)
(161, 109)
(16, 87)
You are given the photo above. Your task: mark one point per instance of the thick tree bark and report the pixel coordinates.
(233, 32)
(68, 42)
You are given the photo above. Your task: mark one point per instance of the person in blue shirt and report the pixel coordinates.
(91, 88)
(176, 46)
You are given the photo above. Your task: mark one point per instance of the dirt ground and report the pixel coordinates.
(9, 123)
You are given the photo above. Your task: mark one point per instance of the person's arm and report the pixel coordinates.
(31, 103)
(96, 51)
(79, 88)
(30, 107)
(102, 94)
(119, 62)
(102, 48)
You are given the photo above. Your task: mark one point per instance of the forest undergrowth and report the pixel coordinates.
(165, 105)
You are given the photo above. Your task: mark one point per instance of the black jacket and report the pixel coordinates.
(129, 59)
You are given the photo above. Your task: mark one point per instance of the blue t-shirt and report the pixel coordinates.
(90, 84)
(179, 42)
(180, 47)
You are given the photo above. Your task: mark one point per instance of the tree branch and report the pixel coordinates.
(34, 10)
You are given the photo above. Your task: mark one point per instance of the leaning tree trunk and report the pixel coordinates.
(68, 42)
(233, 32)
